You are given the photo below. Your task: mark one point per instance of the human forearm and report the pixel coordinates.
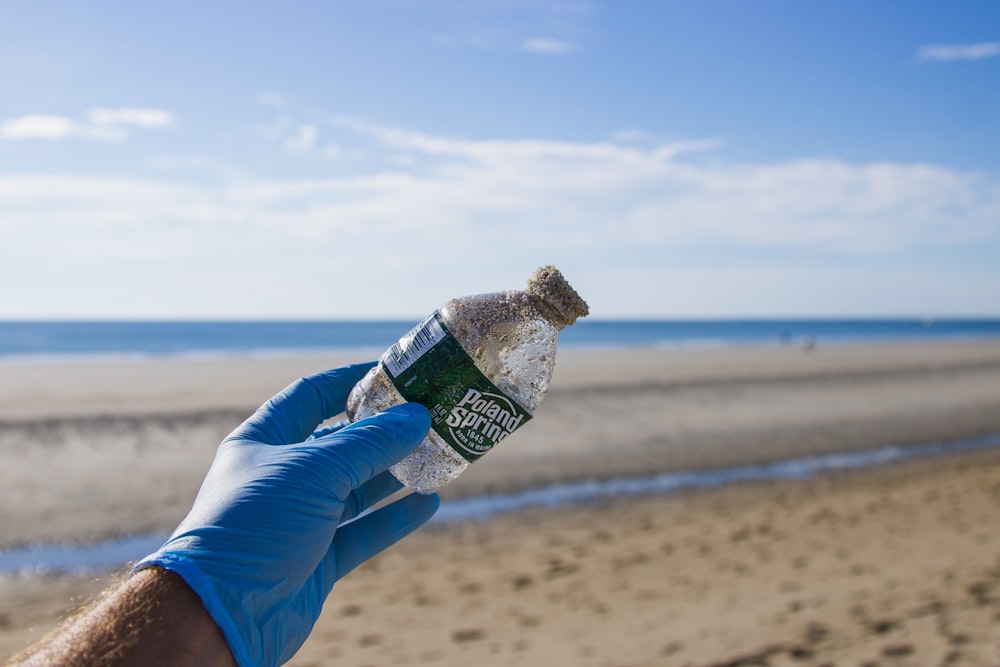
(280, 517)
(152, 618)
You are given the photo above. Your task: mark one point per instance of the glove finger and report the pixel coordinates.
(327, 430)
(293, 414)
(377, 489)
(360, 540)
(368, 447)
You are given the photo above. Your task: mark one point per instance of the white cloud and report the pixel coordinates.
(38, 126)
(592, 194)
(952, 52)
(547, 45)
(507, 151)
(494, 207)
(823, 204)
(816, 289)
(101, 125)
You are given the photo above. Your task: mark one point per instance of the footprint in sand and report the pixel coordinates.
(467, 635)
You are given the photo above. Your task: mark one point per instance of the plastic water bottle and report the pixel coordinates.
(480, 364)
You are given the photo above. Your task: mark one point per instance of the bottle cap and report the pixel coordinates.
(549, 285)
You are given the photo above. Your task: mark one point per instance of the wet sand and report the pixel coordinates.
(891, 566)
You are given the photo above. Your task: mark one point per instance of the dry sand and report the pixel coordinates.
(892, 566)
(896, 567)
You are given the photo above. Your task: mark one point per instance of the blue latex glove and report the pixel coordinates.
(266, 540)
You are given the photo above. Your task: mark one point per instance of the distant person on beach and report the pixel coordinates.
(243, 578)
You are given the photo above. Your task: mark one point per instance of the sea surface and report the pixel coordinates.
(121, 339)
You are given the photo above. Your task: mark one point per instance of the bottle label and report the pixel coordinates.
(430, 367)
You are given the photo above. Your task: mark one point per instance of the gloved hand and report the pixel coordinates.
(266, 540)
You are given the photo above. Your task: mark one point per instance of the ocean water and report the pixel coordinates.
(60, 339)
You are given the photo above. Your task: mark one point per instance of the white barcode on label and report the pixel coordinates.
(413, 345)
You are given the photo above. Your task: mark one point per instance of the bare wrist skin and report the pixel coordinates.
(152, 618)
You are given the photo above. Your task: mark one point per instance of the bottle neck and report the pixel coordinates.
(557, 301)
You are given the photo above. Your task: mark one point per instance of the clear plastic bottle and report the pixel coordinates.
(480, 364)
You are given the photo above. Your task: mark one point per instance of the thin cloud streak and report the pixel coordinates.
(39, 126)
(547, 45)
(109, 125)
(956, 52)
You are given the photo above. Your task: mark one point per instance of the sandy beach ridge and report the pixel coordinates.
(893, 566)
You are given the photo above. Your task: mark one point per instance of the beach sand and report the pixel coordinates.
(897, 565)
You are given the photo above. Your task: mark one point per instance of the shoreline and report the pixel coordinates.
(80, 559)
(373, 351)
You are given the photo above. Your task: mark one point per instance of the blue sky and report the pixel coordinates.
(372, 158)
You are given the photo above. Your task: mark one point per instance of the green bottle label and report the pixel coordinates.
(430, 367)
